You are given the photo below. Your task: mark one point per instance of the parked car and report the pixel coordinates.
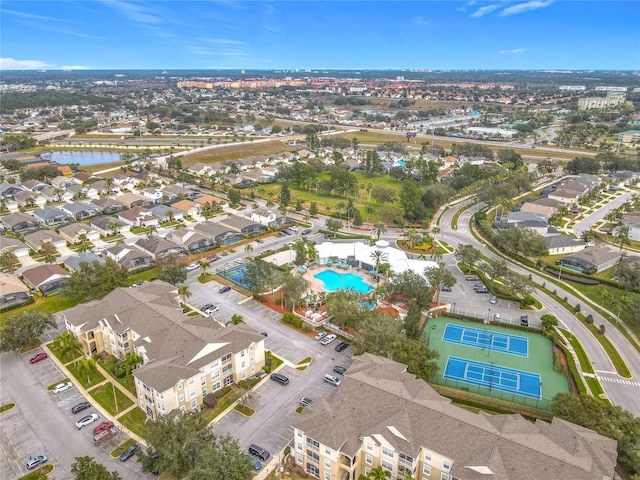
(264, 334)
(286, 231)
(328, 339)
(342, 346)
(281, 379)
(87, 420)
(206, 306)
(102, 426)
(445, 288)
(339, 369)
(306, 401)
(62, 387)
(224, 289)
(36, 461)
(320, 335)
(306, 231)
(493, 300)
(211, 309)
(136, 285)
(472, 278)
(38, 358)
(80, 407)
(192, 266)
(497, 317)
(259, 240)
(239, 261)
(257, 464)
(129, 452)
(258, 451)
(524, 320)
(332, 379)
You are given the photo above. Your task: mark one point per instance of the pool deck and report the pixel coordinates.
(317, 286)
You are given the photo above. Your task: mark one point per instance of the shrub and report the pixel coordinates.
(222, 392)
(589, 319)
(210, 400)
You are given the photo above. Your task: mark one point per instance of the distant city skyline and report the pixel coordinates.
(500, 34)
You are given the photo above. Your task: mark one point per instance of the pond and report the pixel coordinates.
(83, 157)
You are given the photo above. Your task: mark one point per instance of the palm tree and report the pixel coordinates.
(436, 256)
(85, 367)
(204, 266)
(623, 236)
(248, 249)
(369, 210)
(183, 290)
(378, 256)
(68, 346)
(83, 241)
(378, 473)
(131, 361)
(379, 229)
(115, 228)
(149, 230)
(48, 251)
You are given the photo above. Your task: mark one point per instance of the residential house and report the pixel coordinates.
(19, 222)
(104, 188)
(192, 241)
(576, 186)
(199, 169)
(632, 222)
(526, 220)
(268, 218)
(166, 213)
(130, 200)
(243, 225)
(28, 198)
(8, 244)
(218, 233)
(159, 247)
(138, 217)
(54, 194)
(35, 185)
(35, 240)
(50, 216)
(12, 291)
(544, 207)
(107, 205)
(80, 210)
(74, 232)
(73, 262)
(563, 244)
(82, 177)
(46, 279)
(129, 256)
(592, 259)
(382, 416)
(188, 207)
(9, 189)
(564, 196)
(175, 191)
(106, 225)
(214, 202)
(624, 178)
(183, 358)
(153, 195)
(64, 182)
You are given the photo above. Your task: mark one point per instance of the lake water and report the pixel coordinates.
(92, 157)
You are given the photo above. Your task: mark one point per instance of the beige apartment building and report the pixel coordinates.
(183, 358)
(383, 416)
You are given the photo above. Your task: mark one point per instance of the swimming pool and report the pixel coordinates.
(343, 281)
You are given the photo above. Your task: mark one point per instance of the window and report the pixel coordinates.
(427, 456)
(327, 451)
(191, 381)
(366, 471)
(203, 381)
(298, 446)
(204, 392)
(313, 444)
(299, 459)
(444, 476)
(387, 451)
(405, 459)
(404, 471)
(244, 375)
(228, 381)
(251, 347)
(227, 369)
(180, 386)
(313, 470)
(243, 364)
(386, 465)
(370, 446)
(194, 403)
(327, 476)
(161, 405)
(368, 459)
(253, 369)
(215, 386)
(426, 469)
(327, 464)
(313, 456)
(242, 353)
(192, 393)
(299, 433)
(181, 398)
(446, 465)
(214, 364)
(226, 358)
(215, 374)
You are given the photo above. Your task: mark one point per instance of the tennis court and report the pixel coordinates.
(494, 376)
(487, 340)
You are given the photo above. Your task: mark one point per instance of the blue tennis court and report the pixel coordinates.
(494, 376)
(487, 340)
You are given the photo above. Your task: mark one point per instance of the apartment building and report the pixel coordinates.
(183, 358)
(383, 416)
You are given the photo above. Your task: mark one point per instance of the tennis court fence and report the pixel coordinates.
(541, 403)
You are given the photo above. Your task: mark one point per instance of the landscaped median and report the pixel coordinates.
(38, 474)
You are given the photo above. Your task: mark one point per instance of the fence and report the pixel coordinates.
(542, 403)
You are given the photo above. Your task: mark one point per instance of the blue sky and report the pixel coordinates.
(301, 34)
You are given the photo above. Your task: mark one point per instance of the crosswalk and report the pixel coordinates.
(620, 380)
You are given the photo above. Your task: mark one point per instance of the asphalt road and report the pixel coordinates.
(599, 214)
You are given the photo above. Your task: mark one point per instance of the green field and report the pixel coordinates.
(539, 360)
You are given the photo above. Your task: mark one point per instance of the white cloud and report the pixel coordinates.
(482, 11)
(525, 7)
(75, 67)
(134, 12)
(8, 63)
(514, 51)
(421, 21)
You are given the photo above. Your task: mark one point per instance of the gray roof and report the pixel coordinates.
(157, 245)
(212, 229)
(378, 397)
(239, 223)
(16, 218)
(73, 262)
(595, 256)
(40, 236)
(78, 207)
(519, 217)
(77, 228)
(47, 212)
(558, 241)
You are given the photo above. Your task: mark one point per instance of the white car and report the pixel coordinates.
(211, 309)
(36, 461)
(328, 339)
(86, 420)
(320, 335)
(62, 387)
(192, 266)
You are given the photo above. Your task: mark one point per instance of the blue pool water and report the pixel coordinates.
(343, 281)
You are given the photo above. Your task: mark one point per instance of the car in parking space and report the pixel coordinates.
(213, 257)
(339, 369)
(264, 334)
(80, 407)
(497, 317)
(524, 320)
(87, 420)
(259, 240)
(136, 285)
(288, 244)
(62, 387)
(257, 464)
(493, 300)
(280, 378)
(472, 278)
(258, 451)
(239, 261)
(102, 426)
(445, 288)
(342, 346)
(129, 452)
(328, 339)
(36, 461)
(286, 231)
(38, 358)
(206, 306)
(192, 266)
(320, 335)
(224, 289)
(211, 309)
(332, 379)
(306, 401)
(306, 231)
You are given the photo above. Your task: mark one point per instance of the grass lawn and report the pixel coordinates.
(122, 447)
(59, 356)
(95, 377)
(37, 474)
(135, 421)
(223, 403)
(104, 395)
(7, 406)
(53, 304)
(244, 410)
(127, 382)
(596, 388)
(275, 360)
(585, 364)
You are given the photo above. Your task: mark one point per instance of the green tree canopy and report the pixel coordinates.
(173, 274)
(95, 280)
(20, 329)
(86, 468)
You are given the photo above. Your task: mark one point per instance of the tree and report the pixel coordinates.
(495, 269)
(236, 319)
(522, 241)
(85, 366)
(173, 274)
(8, 260)
(184, 292)
(333, 225)
(130, 362)
(67, 344)
(548, 322)
(221, 457)
(622, 234)
(439, 276)
(94, 280)
(468, 254)
(285, 196)
(23, 328)
(378, 473)
(379, 229)
(410, 285)
(48, 251)
(234, 196)
(261, 276)
(294, 287)
(412, 321)
(203, 266)
(86, 468)
(313, 209)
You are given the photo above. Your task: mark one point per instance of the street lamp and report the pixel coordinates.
(454, 307)
(429, 335)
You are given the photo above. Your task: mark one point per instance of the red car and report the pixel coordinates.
(38, 358)
(102, 426)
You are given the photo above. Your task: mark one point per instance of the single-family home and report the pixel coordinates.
(129, 256)
(64, 182)
(35, 240)
(35, 185)
(138, 217)
(188, 207)
(73, 262)
(153, 195)
(74, 232)
(46, 279)
(564, 196)
(12, 291)
(80, 210)
(8, 244)
(625, 177)
(166, 213)
(218, 233)
(176, 191)
(192, 241)
(183, 358)
(28, 198)
(9, 189)
(19, 222)
(50, 216)
(107, 225)
(55, 194)
(159, 247)
(544, 207)
(243, 225)
(592, 259)
(268, 218)
(130, 200)
(107, 205)
(563, 244)
(214, 202)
